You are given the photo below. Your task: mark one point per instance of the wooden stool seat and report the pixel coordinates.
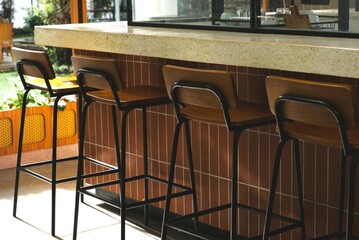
(246, 113)
(138, 95)
(321, 135)
(58, 84)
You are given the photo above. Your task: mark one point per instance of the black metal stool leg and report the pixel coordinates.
(19, 151)
(79, 102)
(170, 181)
(269, 213)
(117, 141)
(351, 196)
(80, 166)
(299, 188)
(341, 194)
(123, 174)
(191, 169)
(145, 164)
(54, 166)
(233, 226)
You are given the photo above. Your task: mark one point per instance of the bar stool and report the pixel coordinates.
(37, 64)
(320, 113)
(103, 77)
(209, 96)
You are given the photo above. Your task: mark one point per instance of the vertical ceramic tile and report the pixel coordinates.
(321, 174)
(223, 152)
(285, 169)
(153, 144)
(204, 147)
(253, 158)
(214, 150)
(286, 210)
(308, 171)
(321, 220)
(224, 195)
(254, 218)
(139, 132)
(214, 199)
(309, 212)
(206, 193)
(196, 140)
(264, 161)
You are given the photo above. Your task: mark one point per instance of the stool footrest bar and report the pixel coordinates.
(97, 162)
(200, 213)
(47, 162)
(173, 222)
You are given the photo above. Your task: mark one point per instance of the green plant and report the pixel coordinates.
(12, 92)
(35, 17)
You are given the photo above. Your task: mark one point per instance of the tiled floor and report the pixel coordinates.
(33, 220)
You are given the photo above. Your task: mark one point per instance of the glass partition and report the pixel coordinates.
(308, 17)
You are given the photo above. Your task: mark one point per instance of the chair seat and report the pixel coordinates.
(58, 84)
(321, 135)
(137, 95)
(245, 114)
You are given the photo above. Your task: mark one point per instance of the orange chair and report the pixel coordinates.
(5, 38)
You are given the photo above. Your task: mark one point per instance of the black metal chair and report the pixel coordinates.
(37, 64)
(320, 113)
(102, 76)
(209, 96)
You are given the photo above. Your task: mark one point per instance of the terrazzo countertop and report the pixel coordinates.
(317, 55)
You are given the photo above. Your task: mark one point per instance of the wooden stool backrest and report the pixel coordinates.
(221, 80)
(340, 96)
(39, 57)
(108, 66)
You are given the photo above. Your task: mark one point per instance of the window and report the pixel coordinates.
(106, 10)
(308, 17)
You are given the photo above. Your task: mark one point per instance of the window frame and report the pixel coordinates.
(253, 28)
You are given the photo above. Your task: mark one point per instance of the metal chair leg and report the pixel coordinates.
(54, 166)
(80, 166)
(269, 213)
(299, 188)
(351, 196)
(145, 164)
(19, 151)
(123, 173)
(192, 177)
(170, 181)
(341, 195)
(233, 226)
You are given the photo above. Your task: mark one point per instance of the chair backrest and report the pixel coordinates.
(26, 58)
(6, 34)
(220, 80)
(340, 96)
(108, 66)
(297, 21)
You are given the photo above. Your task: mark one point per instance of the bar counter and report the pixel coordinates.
(142, 51)
(317, 55)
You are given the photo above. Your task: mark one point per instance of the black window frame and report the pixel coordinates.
(343, 16)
